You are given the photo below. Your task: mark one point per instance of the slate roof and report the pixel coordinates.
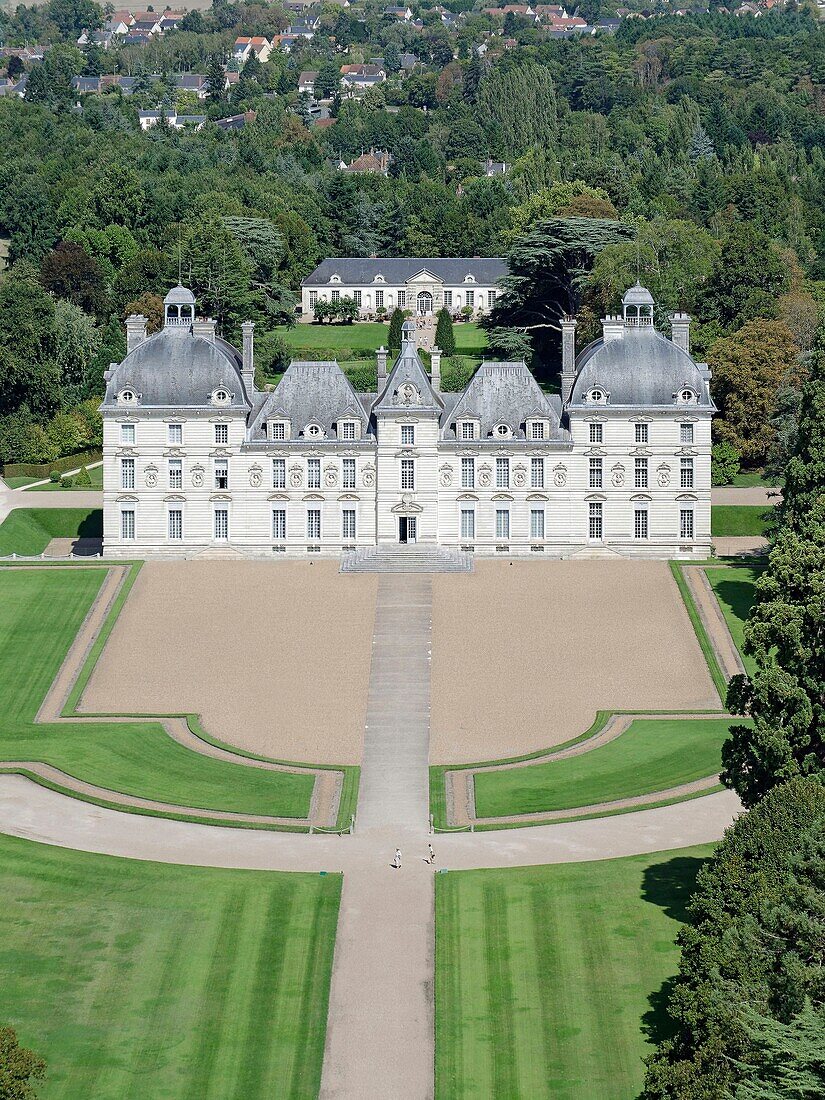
(408, 368)
(640, 368)
(311, 393)
(175, 368)
(397, 269)
(504, 393)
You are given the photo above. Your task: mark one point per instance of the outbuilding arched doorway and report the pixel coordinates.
(424, 302)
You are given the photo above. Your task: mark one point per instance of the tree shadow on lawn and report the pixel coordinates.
(738, 595)
(669, 885)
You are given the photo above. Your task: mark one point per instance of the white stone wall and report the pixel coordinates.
(390, 292)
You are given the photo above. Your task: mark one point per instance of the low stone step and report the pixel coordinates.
(406, 560)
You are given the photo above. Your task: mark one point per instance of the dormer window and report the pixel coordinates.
(468, 278)
(348, 429)
(127, 397)
(336, 278)
(687, 396)
(597, 397)
(468, 429)
(313, 431)
(536, 429)
(220, 397)
(501, 431)
(278, 430)
(379, 278)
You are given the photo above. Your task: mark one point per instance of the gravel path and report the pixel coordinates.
(745, 494)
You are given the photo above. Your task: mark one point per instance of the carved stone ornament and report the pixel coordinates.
(331, 477)
(485, 476)
(663, 476)
(151, 473)
(296, 477)
(519, 477)
(617, 475)
(197, 477)
(560, 475)
(368, 475)
(256, 477)
(446, 476)
(408, 394)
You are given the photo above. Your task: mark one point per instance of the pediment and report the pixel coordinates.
(424, 276)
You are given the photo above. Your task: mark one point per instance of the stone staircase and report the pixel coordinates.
(406, 559)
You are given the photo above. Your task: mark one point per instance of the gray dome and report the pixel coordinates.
(178, 369)
(638, 295)
(641, 368)
(179, 296)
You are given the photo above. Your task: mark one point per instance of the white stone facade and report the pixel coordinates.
(198, 462)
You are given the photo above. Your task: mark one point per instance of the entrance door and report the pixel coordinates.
(411, 526)
(424, 302)
(406, 529)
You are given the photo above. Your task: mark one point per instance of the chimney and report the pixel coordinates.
(612, 328)
(435, 368)
(248, 368)
(680, 330)
(381, 359)
(135, 331)
(568, 357)
(204, 327)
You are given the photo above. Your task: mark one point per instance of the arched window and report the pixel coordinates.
(127, 397)
(597, 396)
(686, 396)
(220, 397)
(424, 302)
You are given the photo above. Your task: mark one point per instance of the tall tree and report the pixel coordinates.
(444, 335)
(19, 1068)
(747, 279)
(394, 337)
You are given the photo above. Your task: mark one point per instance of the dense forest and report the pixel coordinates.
(695, 147)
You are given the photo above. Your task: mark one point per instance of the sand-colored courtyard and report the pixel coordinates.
(275, 657)
(524, 655)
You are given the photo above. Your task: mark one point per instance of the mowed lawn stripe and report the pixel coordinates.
(587, 947)
(129, 976)
(735, 589)
(651, 755)
(41, 611)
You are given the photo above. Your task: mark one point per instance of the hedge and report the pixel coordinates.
(68, 462)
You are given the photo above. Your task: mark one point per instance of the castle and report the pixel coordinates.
(198, 461)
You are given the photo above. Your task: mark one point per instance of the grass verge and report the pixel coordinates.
(738, 520)
(28, 531)
(550, 981)
(735, 590)
(136, 979)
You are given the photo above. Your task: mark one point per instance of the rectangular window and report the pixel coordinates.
(348, 473)
(379, 299)
(127, 523)
(641, 433)
(640, 523)
(175, 473)
(685, 433)
(596, 433)
(491, 298)
(221, 473)
(468, 430)
(127, 435)
(277, 430)
(175, 524)
(356, 294)
(314, 523)
(641, 472)
(279, 524)
(313, 299)
(468, 473)
(471, 297)
(221, 523)
(175, 434)
(313, 473)
(595, 473)
(335, 296)
(127, 473)
(502, 473)
(536, 473)
(686, 523)
(221, 433)
(536, 523)
(468, 523)
(595, 519)
(448, 299)
(502, 523)
(402, 299)
(407, 435)
(407, 473)
(348, 429)
(279, 473)
(348, 524)
(536, 431)
(686, 473)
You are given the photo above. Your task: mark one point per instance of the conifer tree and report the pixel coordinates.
(444, 335)
(394, 338)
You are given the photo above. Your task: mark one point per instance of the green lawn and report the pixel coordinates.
(748, 478)
(738, 520)
(734, 588)
(652, 755)
(368, 336)
(95, 476)
(41, 610)
(28, 531)
(549, 980)
(147, 981)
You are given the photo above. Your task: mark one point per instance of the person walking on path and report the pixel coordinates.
(431, 860)
(397, 859)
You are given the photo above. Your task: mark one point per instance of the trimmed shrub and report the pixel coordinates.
(83, 479)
